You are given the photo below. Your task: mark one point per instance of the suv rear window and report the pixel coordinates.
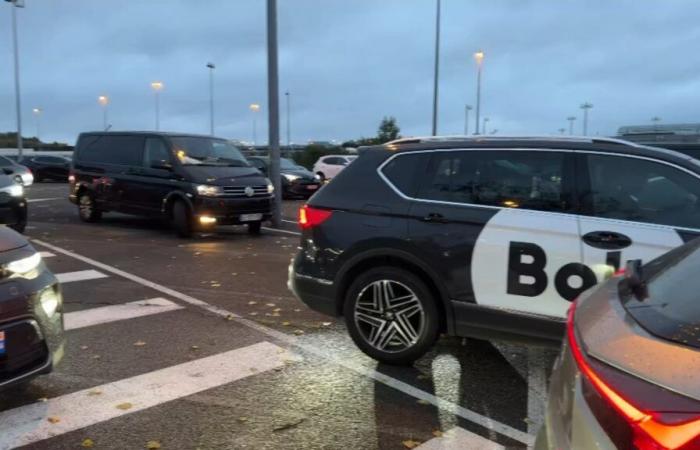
(123, 150)
(671, 307)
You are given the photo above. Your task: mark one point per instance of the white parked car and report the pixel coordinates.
(329, 166)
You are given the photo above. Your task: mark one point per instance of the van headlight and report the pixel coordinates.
(15, 190)
(290, 177)
(270, 187)
(206, 190)
(24, 265)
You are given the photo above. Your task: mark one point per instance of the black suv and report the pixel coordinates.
(197, 182)
(484, 237)
(31, 312)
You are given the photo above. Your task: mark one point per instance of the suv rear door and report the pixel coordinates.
(635, 208)
(496, 224)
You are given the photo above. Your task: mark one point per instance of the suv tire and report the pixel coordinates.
(182, 220)
(398, 319)
(87, 211)
(254, 228)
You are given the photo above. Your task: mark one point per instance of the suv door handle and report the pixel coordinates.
(435, 218)
(607, 240)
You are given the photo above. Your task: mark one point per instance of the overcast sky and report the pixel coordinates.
(347, 63)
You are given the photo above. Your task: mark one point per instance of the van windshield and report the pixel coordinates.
(199, 151)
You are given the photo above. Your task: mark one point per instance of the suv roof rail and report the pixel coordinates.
(458, 138)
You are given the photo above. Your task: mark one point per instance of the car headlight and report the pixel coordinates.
(290, 177)
(50, 301)
(270, 187)
(23, 265)
(209, 191)
(16, 190)
(318, 177)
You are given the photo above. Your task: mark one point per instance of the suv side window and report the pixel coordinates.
(514, 179)
(401, 171)
(112, 149)
(640, 190)
(155, 150)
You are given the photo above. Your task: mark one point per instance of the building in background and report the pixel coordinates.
(682, 137)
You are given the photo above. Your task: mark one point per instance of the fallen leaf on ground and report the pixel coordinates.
(42, 399)
(216, 285)
(124, 406)
(297, 310)
(423, 402)
(253, 313)
(269, 304)
(277, 310)
(242, 419)
(275, 314)
(153, 445)
(88, 443)
(288, 425)
(252, 302)
(298, 332)
(438, 433)
(94, 392)
(410, 443)
(326, 324)
(96, 357)
(84, 347)
(285, 324)
(53, 419)
(139, 344)
(230, 317)
(195, 347)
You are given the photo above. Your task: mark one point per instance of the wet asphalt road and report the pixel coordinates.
(302, 383)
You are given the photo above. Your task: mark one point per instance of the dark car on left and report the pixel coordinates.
(296, 181)
(13, 204)
(31, 313)
(48, 167)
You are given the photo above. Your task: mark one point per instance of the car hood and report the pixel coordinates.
(10, 239)
(224, 176)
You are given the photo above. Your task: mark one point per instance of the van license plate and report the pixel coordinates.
(2, 343)
(251, 217)
(312, 187)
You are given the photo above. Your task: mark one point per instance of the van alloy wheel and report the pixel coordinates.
(389, 316)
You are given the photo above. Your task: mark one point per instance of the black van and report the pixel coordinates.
(197, 182)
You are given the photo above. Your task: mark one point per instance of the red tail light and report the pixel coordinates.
(71, 178)
(310, 217)
(653, 418)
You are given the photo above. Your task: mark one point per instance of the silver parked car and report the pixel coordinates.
(21, 174)
(628, 375)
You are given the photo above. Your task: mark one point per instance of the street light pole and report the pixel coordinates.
(157, 87)
(103, 100)
(571, 124)
(211, 67)
(562, 130)
(436, 75)
(656, 120)
(289, 133)
(486, 119)
(467, 108)
(14, 4)
(479, 58)
(273, 113)
(585, 107)
(37, 115)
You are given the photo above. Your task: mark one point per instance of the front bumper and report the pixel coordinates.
(13, 210)
(33, 341)
(228, 211)
(317, 293)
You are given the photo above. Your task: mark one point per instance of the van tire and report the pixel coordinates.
(19, 226)
(87, 211)
(426, 325)
(182, 220)
(254, 228)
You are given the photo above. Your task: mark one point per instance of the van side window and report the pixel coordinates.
(642, 191)
(513, 179)
(155, 150)
(112, 149)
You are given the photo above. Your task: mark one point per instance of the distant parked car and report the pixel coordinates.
(329, 166)
(31, 318)
(297, 181)
(46, 167)
(627, 376)
(18, 172)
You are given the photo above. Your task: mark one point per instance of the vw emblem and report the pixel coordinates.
(249, 191)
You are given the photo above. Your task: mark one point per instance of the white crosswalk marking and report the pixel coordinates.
(46, 254)
(28, 424)
(106, 314)
(457, 439)
(36, 200)
(81, 275)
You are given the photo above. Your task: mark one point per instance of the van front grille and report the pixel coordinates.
(240, 191)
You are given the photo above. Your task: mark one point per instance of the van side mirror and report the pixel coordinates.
(161, 164)
(634, 279)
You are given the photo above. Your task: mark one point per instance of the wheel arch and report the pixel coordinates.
(369, 259)
(171, 198)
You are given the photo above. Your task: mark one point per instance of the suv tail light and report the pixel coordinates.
(635, 413)
(71, 178)
(310, 217)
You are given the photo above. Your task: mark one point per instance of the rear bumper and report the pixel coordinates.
(302, 189)
(317, 293)
(13, 211)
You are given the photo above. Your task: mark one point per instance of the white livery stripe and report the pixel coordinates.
(29, 424)
(457, 439)
(46, 254)
(106, 314)
(81, 275)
